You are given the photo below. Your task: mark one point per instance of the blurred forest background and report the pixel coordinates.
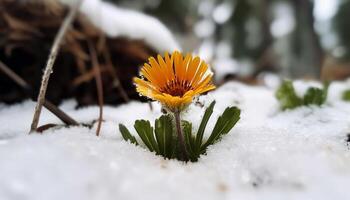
(295, 38)
(244, 40)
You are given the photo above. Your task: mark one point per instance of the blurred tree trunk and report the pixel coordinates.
(264, 54)
(266, 22)
(305, 43)
(241, 14)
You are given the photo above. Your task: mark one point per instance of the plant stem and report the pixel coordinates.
(50, 62)
(180, 136)
(99, 86)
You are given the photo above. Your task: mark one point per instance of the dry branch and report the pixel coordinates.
(51, 60)
(96, 67)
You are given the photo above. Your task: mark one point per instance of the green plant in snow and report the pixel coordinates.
(288, 98)
(346, 95)
(162, 138)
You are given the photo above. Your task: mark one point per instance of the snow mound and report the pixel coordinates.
(115, 21)
(272, 155)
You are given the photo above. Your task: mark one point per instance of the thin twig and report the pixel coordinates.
(19, 80)
(116, 80)
(180, 136)
(28, 90)
(60, 114)
(50, 62)
(96, 66)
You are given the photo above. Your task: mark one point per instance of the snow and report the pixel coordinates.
(119, 22)
(296, 154)
(226, 67)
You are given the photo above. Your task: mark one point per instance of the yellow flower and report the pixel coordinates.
(174, 80)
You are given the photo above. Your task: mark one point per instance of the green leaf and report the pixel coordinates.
(145, 131)
(223, 125)
(316, 96)
(127, 135)
(287, 97)
(203, 124)
(346, 95)
(289, 100)
(313, 96)
(164, 134)
(189, 139)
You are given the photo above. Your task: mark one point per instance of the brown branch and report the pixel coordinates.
(50, 62)
(59, 113)
(28, 90)
(95, 65)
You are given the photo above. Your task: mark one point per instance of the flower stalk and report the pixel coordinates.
(180, 136)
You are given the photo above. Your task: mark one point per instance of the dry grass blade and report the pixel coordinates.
(87, 76)
(16, 24)
(51, 60)
(96, 67)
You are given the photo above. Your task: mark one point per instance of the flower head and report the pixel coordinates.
(174, 80)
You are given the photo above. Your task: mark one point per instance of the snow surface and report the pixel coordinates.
(297, 154)
(115, 22)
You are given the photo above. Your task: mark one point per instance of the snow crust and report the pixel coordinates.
(116, 21)
(272, 155)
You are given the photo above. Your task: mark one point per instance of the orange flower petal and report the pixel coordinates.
(174, 80)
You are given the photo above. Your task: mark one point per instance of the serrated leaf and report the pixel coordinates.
(346, 95)
(164, 135)
(127, 135)
(145, 131)
(223, 125)
(287, 96)
(203, 124)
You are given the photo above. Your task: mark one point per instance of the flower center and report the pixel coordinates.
(176, 87)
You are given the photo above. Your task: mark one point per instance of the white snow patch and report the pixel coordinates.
(115, 22)
(272, 155)
(225, 67)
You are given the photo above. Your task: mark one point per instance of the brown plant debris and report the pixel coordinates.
(27, 31)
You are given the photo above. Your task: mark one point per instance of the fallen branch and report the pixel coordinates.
(60, 114)
(50, 62)
(28, 89)
(96, 67)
